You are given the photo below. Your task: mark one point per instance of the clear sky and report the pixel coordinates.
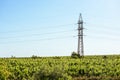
(48, 27)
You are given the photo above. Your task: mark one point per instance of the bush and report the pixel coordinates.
(2, 76)
(75, 55)
(34, 57)
(52, 73)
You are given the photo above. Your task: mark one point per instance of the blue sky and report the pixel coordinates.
(48, 27)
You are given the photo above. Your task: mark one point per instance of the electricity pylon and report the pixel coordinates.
(80, 37)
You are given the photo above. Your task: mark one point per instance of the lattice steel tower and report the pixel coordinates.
(80, 36)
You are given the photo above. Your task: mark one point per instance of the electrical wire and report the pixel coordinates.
(48, 27)
(102, 28)
(100, 33)
(42, 39)
(38, 34)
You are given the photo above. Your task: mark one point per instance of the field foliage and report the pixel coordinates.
(61, 68)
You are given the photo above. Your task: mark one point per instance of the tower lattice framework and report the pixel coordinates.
(80, 36)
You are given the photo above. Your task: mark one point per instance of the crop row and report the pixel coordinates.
(59, 68)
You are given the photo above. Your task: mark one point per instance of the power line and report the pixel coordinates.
(102, 28)
(106, 32)
(103, 32)
(48, 27)
(42, 39)
(104, 37)
(38, 34)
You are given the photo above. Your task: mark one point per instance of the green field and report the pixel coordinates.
(61, 68)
